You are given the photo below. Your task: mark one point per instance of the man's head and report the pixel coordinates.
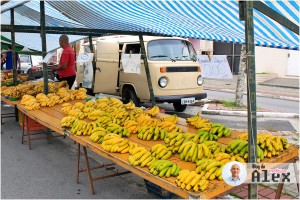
(235, 170)
(63, 41)
(9, 47)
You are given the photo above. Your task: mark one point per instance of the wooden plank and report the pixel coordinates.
(9, 102)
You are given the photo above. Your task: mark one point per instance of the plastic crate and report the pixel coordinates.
(162, 193)
(32, 125)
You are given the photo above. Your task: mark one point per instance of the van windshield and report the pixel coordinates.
(174, 50)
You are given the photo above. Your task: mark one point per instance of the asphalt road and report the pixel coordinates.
(279, 105)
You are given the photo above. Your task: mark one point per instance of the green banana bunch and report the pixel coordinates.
(164, 168)
(173, 140)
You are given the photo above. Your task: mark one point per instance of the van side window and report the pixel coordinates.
(133, 49)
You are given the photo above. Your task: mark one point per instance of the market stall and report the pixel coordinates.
(51, 117)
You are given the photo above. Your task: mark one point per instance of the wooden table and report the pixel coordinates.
(50, 117)
(13, 104)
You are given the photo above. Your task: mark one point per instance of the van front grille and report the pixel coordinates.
(182, 69)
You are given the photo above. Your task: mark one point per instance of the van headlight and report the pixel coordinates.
(200, 80)
(163, 82)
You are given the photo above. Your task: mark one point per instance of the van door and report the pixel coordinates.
(107, 61)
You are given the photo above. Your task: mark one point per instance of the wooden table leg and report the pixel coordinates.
(88, 170)
(279, 190)
(28, 132)
(23, 129)
(78, 162)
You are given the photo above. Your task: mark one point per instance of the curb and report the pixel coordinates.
(205, 110)
(258, 94)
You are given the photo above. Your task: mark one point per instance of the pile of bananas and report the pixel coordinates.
(170, 127)
(12, 92)
(192, 152)
(146, 120)
(95, 114)
(64, 94)
(191, 180)
(220, 130)
(67, 121)
(80, 93)
(149, 132)
(225, 158)
(173, 141)
(78, 105)
(48, 100)
(97, 135)
(132, 126)
(215, 147)
(102, 105)
(198, 122)
(160, 151)
(136, 112)
(172, 118)
(76, 113)
(88, 110)
(139, 156)
(271, 145)
(117, 129)
(32, 104)
(240, 147)
(210, 168)
(105, 119)
(120, 114)
(115, 144)
(27, 98)
(117, 103)
(129, 106)
(66, 107)
(153, 111)
(164, 168)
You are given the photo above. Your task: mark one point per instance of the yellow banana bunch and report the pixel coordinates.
(215, 147)
(95, 114)
(32, 104)
(153, 111)
(102, 105)
(80, 93)
(76, 113)
(160, 151)
(150, 132)
(173, 140)
(190, 180)
(164, 168)
(170, 127)
(103, 100)
(132, 126)
(62, 84)
(115, 144)
(193, 119)
(210, 168)
(192, 152)
(90, 104)
(66, 107)
(27, 98)
(120, 114)
(64, 94)
(224, 157)
(172, 118)
(54, 99)
(67, 121)
(78, 127)
(97, 135)
(129, 106)
(105, 119)
(117, 103)
(78, 105)
(135, 112)
(139, 156)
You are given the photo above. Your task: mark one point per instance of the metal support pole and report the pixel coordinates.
(44, 47)
(93, 62)
(13, 46)
(251, 92)
(144, 56)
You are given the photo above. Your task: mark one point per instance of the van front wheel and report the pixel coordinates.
(129, 94)
(179, 107)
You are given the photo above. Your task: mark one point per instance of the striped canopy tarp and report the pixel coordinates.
(205, 19)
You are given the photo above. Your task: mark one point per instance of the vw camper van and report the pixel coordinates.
(174, 71)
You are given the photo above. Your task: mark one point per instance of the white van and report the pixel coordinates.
(175, 73)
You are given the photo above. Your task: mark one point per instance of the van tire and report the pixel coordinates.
(129, 94)
(178, 107)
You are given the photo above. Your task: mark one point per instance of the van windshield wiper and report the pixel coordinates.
(163, 56)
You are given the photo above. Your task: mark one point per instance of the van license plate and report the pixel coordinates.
(188, 100)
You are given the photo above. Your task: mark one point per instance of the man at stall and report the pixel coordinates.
(8, 58)
(66, 66)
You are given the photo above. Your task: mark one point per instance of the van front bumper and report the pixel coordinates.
(177, 98)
